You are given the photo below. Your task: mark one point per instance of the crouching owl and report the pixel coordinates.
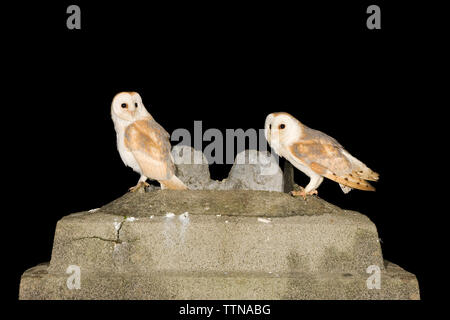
(316, 154)
(142, 143)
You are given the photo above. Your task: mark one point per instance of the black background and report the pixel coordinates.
(228, 65)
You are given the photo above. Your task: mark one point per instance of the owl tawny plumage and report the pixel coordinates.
(316, 154)
(142, 143)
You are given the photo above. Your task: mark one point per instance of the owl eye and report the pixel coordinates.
(282, 126)
(135, 104)
(270, 126)
(124, 105)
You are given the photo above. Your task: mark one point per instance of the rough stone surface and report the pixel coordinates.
(38, 283)
(252, 170)
(170, 238)
(191, 167)
(209, 244)
(212, 202)
(256, 170)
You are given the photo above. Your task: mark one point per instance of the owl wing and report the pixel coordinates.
(325, 156)
(149, 144)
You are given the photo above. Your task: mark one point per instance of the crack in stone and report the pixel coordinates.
(116, 240)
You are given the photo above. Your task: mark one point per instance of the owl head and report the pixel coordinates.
(128, 106)
(281, 129)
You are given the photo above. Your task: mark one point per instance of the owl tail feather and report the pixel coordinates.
(173, 184)
(360, 169)
(350, 180)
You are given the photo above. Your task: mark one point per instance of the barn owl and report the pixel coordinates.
(316, 154)
(142, 143)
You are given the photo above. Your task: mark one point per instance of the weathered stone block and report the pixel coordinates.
(237, 244)
(38, 283)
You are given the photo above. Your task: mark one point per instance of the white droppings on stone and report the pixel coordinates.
(94, 210)
(117, 246)
(117, 225)
(218, 215)
(264, 220)
(170, 232)
(184, 217)
(131, 219)
(226, 221)
(151, 217)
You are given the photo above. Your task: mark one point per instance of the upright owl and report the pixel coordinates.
(316, 154)
(142, 143)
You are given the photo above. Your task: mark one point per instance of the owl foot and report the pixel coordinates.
(303, 193)
(141, 184)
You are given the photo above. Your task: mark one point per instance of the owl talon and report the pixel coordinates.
(314, 192)
(141, 184)
(303, 193)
